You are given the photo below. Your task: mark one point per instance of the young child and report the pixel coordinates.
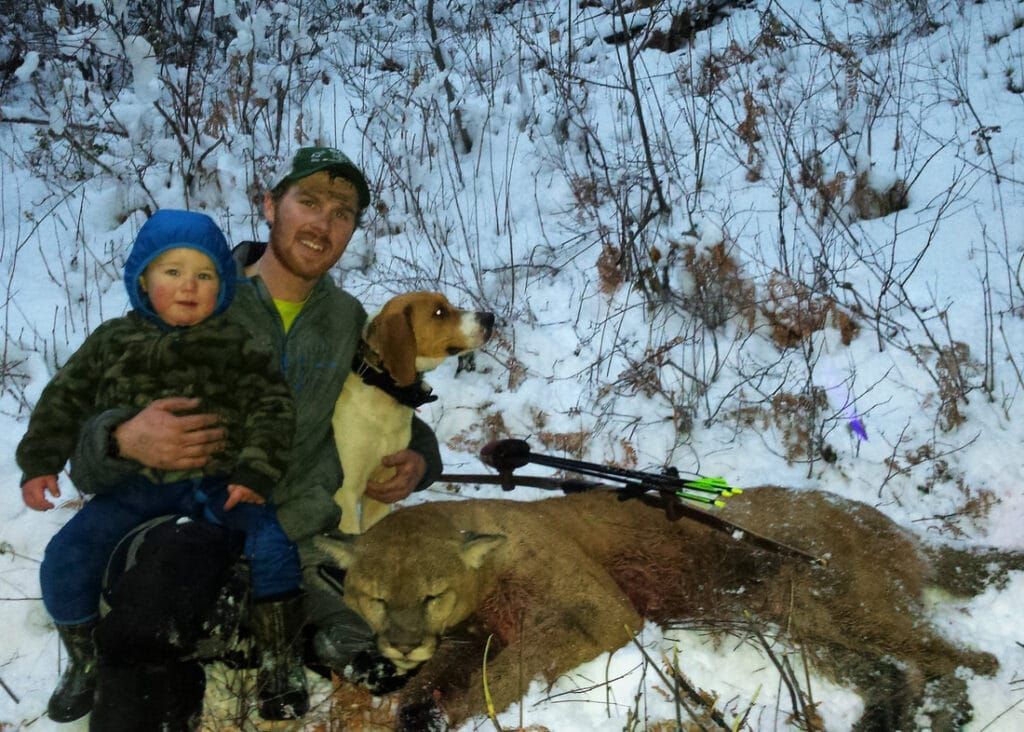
(180, 278)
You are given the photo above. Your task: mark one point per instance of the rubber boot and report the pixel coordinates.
(281, 679)
(353, 655)
(72, 699)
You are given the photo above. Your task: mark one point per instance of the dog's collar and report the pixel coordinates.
(414, 395)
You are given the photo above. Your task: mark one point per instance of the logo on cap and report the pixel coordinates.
(327, 155)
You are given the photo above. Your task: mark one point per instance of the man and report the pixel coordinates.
(293, 308)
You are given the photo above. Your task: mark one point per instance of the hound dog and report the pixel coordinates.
(412, 333)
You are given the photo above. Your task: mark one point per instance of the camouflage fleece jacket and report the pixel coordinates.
(128, 362)
(315, 356)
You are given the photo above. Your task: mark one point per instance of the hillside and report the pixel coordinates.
(781, 242)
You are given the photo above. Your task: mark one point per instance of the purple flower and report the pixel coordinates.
(857, 427)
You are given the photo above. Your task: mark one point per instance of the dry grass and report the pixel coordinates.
(335, 706)
(792, 416)
(794, 311)
(720, 289)
(609, 269)
(951, 365)
(568, 443)
(870, 203)
(354, 709)
(489, 426)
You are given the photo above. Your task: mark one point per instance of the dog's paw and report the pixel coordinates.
(376, 673)
(423, 716)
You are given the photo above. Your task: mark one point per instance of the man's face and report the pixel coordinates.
(312, 223)
(182, 285)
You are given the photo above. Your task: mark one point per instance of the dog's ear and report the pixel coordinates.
(390, 335)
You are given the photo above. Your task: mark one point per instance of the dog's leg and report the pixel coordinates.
(347, 498)
(349, 495)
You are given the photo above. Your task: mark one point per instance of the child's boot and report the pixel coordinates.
(72, 699)
(281, 679)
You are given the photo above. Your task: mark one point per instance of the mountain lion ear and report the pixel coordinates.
(338, 546)
(476, 547)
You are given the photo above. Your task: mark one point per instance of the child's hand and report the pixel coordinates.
(240, 494)
(33, 492)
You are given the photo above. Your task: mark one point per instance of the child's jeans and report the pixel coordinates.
(71, 574)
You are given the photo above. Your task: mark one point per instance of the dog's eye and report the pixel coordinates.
(439, 313)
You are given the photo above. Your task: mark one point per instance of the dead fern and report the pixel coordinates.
(794, 417)
(794, 311)
(609, 269)
(491, 426)
(748, 133)
(868, 203)
(720, 291)
(568, 443)
(950, 367)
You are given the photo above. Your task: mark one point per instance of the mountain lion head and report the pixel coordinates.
(412, 582)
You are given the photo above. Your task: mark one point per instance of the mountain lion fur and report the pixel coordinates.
(559, 581)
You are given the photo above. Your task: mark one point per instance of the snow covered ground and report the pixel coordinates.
(855, 161)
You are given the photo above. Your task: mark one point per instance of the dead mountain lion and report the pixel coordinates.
(558, 581)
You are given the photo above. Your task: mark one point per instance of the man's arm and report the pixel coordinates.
(95, 468)
(111, 445)
(416, 467)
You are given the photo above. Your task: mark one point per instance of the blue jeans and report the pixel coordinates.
(71, 574)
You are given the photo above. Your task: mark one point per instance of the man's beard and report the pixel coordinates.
(293, 264)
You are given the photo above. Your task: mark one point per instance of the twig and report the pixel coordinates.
(788, 678)
(665, 679)
(742, 721)
(7, 548)
(1002, 713)
(633, 88)
(71, 125)
(9, 692)
(435, 49)
(693, 693)
(587, 689)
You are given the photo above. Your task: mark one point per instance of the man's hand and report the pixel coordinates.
(160, 438)
(238, 493)
(410, 467)
(34, 490)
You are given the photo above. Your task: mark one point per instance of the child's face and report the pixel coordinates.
(182, 285)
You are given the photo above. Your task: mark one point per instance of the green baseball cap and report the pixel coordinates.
(309, 160)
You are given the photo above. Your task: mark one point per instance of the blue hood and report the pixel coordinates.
(171, 229)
